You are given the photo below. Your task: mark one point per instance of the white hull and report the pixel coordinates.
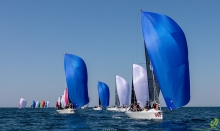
(112, 109)
(97, 108)
(66, 111)
(123, 109)
(150, 114)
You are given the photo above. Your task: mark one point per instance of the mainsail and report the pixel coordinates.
(123, 90)
(133, 96)
(167, 49)
(117, 102)
(103, 92)
(76, 79)
(140, 82)
(153, 86)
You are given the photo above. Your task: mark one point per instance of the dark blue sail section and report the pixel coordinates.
(167, 48)
(76, 79)
(103, 91)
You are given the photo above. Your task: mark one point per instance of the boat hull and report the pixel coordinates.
(112, 109)
(97, 108)
(66, 111)
(151, 114)
(123, 109)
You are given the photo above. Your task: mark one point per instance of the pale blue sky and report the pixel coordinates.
(108, 36)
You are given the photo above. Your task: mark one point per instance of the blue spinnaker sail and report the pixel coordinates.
(33, 104)
(167, 48)
(76, 79)
(103, 91)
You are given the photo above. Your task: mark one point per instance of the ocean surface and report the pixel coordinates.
(44, 119)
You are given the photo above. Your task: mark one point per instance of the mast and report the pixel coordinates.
(153, 85)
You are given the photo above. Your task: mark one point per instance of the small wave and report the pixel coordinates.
(116, 117)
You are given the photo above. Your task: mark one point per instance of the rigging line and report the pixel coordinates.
(137, 35)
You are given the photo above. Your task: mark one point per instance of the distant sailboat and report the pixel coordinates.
(37, 104)
(42, 104)
(33, 104)
(166, 47)
(77, 82)
(22, 103)
(104, 94)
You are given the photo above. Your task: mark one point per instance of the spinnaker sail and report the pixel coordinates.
(123, 90)
(167, 48)
(103, 92)
(76, 79)
(140, 82)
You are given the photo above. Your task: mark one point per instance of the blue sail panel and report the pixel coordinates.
(167, 48)
(103, 92)
(76, 79)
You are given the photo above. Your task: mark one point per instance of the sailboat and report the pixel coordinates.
(37, 104)
(167, 54)
(33, 104)
(140, 89)
(103, 92)
(22, 103)
(121, 94)
(77, 82)
(117, 103)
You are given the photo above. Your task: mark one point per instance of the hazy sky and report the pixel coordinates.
(108, 36)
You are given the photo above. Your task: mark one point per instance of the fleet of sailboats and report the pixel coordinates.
(167, 71)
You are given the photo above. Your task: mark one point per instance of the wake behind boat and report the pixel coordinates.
(97, 108)
(112, 108)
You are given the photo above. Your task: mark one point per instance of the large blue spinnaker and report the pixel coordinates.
(76, 79)
(167, 48)
(103, 92)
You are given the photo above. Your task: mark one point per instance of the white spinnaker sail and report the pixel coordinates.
(59, 101)
(123, 90)
(23, 103)
(63, 103)
(64, 96)
(37, 104)
(140, 82)
(48, 103)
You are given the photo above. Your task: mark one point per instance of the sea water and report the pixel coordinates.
(44, 119)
